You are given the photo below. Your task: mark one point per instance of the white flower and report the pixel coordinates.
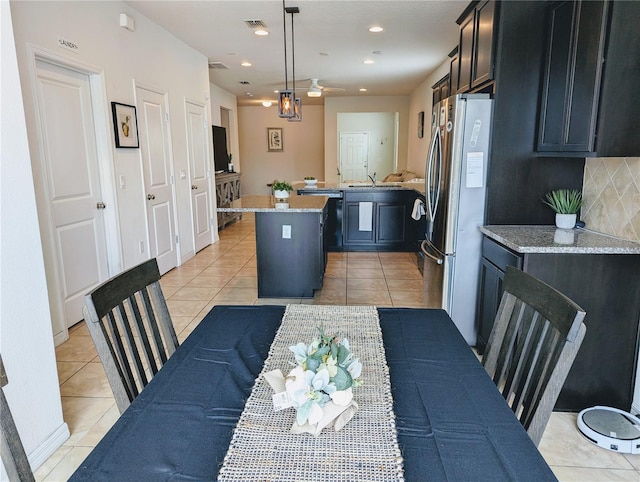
(342, 397)
(355, 369)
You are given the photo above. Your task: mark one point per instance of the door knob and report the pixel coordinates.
(193, 186)
(101, 205)
(150, 197)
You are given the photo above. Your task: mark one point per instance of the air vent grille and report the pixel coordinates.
(255, 24)
(244, 82)
(218, 66)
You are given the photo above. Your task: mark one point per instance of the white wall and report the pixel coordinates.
(421, 100)
(303, 153)
(149, 56)
(335, 105)
(26, 340)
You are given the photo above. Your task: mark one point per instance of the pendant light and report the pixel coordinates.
(287, 101)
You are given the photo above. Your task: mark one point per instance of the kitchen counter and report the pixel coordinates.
(266, 204)
(549, 239)
(358, 186)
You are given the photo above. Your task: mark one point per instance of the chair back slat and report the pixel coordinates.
(536, 335)
(12, 453)
(130, 324)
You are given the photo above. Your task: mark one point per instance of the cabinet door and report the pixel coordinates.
(454, 66)
(351, 227)
(571, 82)
(482, 65)
(391, 223)
(491, 279)
(465, 52)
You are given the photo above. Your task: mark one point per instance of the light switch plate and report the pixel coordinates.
(286, 231)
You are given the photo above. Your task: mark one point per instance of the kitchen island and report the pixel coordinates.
(290, 251)
(602, 274)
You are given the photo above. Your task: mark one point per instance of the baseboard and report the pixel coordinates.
(46, 449)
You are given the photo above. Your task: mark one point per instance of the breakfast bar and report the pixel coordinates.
(290, 248)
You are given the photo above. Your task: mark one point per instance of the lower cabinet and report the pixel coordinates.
(375, 220)
(290, 253)
(606, 287)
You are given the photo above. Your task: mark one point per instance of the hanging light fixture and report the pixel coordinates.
(287, 98)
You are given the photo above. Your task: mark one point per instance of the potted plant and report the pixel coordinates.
(566, 203)
(310, 180)
(281, 189)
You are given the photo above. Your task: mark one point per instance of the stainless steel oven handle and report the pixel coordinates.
(435, 259)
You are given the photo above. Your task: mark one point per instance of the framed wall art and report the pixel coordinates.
(125, 125)
(274, 139)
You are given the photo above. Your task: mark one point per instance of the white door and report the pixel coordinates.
(200, 173)
(354, 154)
(155, 149)
(71, 186)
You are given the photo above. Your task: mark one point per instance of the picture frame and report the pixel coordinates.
(421, 124)
(125, 125)
(275, 142)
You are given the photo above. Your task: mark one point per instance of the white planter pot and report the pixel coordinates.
(280, 194)
(566, 221)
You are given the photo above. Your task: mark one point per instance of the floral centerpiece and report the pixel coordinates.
(320, 387)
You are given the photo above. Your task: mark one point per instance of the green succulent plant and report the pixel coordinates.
(281, 186)
(564, 201)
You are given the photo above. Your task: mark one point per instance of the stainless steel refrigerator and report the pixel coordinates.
(455, 179)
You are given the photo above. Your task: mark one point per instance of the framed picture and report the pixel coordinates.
(274, 139)
(125, 125)
(421, 124)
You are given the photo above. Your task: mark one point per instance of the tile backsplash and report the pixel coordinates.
(611, 193)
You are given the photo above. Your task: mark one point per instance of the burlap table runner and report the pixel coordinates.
(366, 449)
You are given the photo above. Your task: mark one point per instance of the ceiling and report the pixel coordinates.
(331, 43)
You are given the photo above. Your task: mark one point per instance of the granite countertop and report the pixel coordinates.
(265, 204)
(549, 239)
(359, 186)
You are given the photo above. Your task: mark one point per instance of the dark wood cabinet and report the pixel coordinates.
(454, 71)
(290, 253)
(606, 287)
(572, 74)
(495, 259)
(440, 89)
(388, 226)
(475, 62)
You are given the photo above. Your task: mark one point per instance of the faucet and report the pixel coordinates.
(373, 179)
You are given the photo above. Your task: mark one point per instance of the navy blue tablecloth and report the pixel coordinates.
(452, 422)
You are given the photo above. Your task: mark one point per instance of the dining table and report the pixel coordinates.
(449, 419)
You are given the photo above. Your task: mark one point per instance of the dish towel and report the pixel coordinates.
(418, 209)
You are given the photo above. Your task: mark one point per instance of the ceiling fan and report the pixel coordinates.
(315, 89)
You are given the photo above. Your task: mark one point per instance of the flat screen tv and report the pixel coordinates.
(220, 154)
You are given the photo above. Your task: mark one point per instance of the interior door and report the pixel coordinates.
(155, 149)
(200, 173)
(354, 156)
(70, 188)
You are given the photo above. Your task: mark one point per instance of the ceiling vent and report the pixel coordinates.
(244, 82)
(218, 66)
(252, 24)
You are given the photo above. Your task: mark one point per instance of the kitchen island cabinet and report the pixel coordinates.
(290, 250)
(598, 272)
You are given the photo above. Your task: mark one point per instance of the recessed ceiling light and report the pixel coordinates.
(261, 32)
(375, 29)
(369, 61)
(266, 103)
(246, 64)
(248, 94)
(362, 89)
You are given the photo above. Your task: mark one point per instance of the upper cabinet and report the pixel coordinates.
(475, 55)
(572, 74)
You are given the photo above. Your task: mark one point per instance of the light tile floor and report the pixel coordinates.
(225, 273)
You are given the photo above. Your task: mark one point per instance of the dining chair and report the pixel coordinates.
(534, 340)
(14, 458)
(131, 327)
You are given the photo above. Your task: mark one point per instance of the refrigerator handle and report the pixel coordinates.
(434, 157)
(424, 248)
